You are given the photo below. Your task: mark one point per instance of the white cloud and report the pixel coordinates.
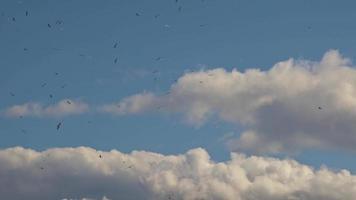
(132, 105)
(74, 173)
(279, 108)
(62, 108)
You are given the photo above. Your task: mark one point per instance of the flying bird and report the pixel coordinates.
(68, 102)
(26, 13)
(180, 8)
(115, 45)
(320, 108)
(138, 14)
(157, 15)
(116, 59)
(59, 125)
(50, 96)
(12, 94)
(25, 49)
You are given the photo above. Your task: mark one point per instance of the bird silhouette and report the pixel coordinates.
(59, 125)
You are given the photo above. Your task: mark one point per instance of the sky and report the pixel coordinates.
(184, 84)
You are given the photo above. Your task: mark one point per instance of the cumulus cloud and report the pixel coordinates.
(295, 104)
(132, 105)
(75, 173)
(62, 108)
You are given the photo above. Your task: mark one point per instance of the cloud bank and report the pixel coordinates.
(296, 104)
(64, 107)
(85, 173)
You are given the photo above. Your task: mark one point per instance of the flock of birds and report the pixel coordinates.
(115, 45)
(60, 22)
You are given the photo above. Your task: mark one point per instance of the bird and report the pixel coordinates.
(320, 108)
(42, 168)
(23, 130)
(158, 58)
(202, 25)
(25, 49)
(12, 94)
(180, 8)
(49, 25)
(100, 156)
(43, 84)
(157, 15)
(50, 96)
(115, 45)
(63, 86)
(59, 125)
(26, 13)
(13, 19)
(115, 60)
(56, 73)
(68, 102)
(154, 71)
(138, 14)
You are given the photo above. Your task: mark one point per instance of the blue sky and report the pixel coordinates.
(203, 35)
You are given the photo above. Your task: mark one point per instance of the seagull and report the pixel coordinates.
(320, 108)
(180, 8)
(68, 102)
(50, 96)
(56, 73)
(14, 19)
(63, 86)
(25, 49)
(157, 15)
(12, 94)
(26, 13)
(138, 14)
(158, 58)
(59, 125)
(116, 59)
(23, 130)
(49, 25)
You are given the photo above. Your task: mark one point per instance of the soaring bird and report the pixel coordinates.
(59, 125)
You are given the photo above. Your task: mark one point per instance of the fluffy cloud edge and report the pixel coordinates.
(294, 105)
(64, 107)
(74, 173)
